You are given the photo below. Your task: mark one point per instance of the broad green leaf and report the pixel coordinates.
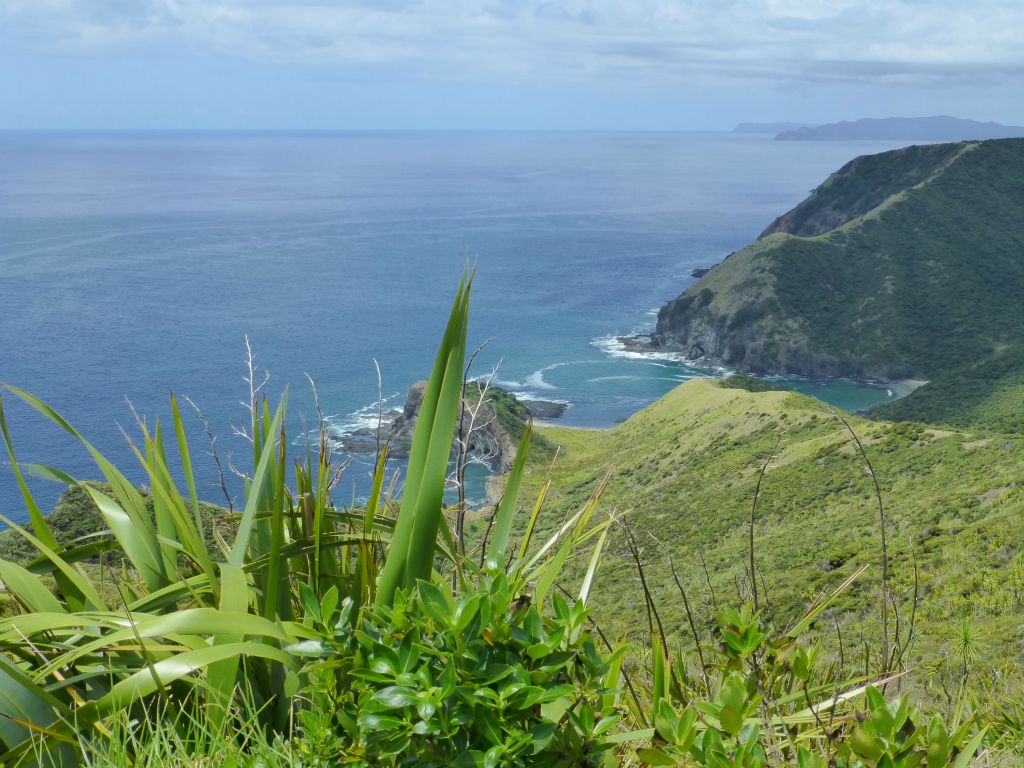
(395, 697)
(221, 676)
(256, 491)
(28, 588)
(413, 543)
(137, 545)
(969, 750)
(24, 707)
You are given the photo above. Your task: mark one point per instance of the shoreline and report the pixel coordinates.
(641, 345)
(902, 387)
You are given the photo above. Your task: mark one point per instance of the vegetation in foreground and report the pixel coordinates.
(315, 635)
(687, 469)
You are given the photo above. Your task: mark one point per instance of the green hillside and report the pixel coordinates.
(685, 470)
(985, 393)
(904, 264)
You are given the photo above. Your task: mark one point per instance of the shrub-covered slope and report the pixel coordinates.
(685, 471)
(986, 393)
(904, 264)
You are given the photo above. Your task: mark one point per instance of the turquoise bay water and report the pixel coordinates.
(135, 264)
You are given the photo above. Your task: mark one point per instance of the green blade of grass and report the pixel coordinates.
(508, 504)
(420, 509)
(186, 464)
(256, 491)
(524, 545)
(28, 588)
(137, 687)
(127, 495)
(595, 558)
(79, 584)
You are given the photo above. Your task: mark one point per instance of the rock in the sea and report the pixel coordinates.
(544, 409)
(493, 436)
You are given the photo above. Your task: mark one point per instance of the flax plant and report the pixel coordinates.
(197, 617)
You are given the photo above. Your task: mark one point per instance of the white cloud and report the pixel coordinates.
(911, 41)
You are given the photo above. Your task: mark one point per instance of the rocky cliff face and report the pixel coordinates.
(758, 346)
(490, 440)
(493, 436)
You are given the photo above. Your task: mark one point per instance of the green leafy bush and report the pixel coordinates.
(763, 699)
(481, 678)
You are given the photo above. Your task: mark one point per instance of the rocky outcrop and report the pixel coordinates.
(757, 345)
(493, 436)
(490, 440)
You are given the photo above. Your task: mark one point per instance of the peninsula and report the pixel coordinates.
(902, 265)
(939, 128)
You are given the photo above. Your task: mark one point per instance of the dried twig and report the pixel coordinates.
(753, 517)
(686, 605)
(881, 527)
(213, 452)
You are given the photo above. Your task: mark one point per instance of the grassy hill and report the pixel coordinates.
(904, 264)
(685, 470)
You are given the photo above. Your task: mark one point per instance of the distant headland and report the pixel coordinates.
(939, 128)
(769, 127)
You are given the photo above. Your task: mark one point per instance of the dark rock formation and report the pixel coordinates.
(493, 437)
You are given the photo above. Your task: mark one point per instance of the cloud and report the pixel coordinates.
(897, 41)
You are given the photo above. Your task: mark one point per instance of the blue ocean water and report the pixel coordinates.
(134, 264)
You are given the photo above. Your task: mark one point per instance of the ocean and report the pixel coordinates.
(136, 264)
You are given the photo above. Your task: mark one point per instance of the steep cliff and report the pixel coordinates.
(903, 264)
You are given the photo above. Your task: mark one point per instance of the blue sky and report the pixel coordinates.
(523, 64)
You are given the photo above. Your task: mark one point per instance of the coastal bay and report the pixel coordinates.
(154, 244)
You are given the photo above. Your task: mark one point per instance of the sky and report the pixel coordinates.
(503, 64)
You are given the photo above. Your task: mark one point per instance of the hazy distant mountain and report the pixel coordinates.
(769, 127)
(940, 128)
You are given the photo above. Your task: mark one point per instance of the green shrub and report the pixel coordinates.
(481, 678)
(764, 699)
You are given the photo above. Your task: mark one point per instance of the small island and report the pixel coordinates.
(493, 433)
